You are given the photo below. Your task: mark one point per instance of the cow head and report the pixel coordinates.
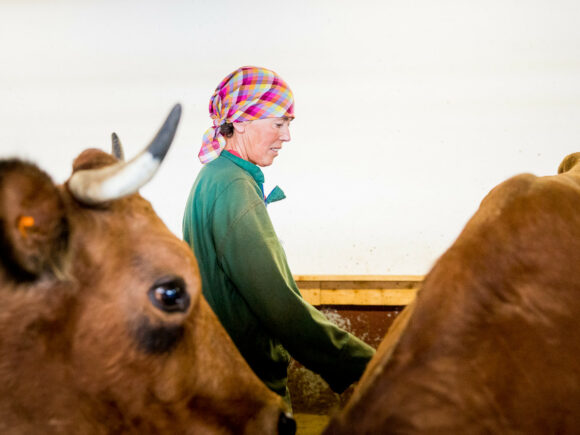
(103, 327)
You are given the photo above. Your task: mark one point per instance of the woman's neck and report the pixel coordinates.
(236, 147)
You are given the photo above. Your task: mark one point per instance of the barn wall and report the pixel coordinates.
(407, 112)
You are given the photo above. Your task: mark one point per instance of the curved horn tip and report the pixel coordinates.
(174, 117)
(162, 141)
(177, 108)
(117, 147)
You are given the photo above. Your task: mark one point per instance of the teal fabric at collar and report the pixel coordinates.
(250, 168)
(276, 194)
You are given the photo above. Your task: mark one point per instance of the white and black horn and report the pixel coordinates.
(95, 186)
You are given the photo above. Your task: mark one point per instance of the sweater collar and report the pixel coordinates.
(250, 168)
(276, 194)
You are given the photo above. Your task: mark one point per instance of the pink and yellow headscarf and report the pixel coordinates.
(247, 94)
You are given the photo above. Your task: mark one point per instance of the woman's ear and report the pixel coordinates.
(240, 127)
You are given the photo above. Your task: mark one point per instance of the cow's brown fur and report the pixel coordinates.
(75, 320)
(493, 343)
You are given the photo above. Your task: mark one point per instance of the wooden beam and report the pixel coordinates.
(385, 278)
(386, 290)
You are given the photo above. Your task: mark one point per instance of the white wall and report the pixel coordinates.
(408, 112)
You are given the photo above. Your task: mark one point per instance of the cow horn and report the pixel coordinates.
(117, 147)
(95, 186)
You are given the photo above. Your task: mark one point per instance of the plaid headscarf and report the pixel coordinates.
(247, 94)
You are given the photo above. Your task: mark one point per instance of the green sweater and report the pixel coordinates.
(248, 284)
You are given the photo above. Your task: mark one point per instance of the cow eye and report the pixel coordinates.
(170, 295)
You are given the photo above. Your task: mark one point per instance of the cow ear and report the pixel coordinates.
(33, 224)
(569, 162)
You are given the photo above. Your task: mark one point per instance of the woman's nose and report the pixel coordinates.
(285, 134)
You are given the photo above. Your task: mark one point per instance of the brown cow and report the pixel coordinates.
(492, 344)
(103, 327)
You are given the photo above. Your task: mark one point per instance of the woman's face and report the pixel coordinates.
(264, 138)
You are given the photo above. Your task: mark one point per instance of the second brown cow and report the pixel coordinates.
(492, 343)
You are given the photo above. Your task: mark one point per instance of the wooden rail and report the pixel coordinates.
(359, 289)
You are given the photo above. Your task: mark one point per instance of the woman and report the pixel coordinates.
(245, 275)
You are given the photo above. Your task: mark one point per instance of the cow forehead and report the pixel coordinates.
(127, 236)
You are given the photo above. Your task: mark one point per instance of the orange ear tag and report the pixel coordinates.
(25, 222)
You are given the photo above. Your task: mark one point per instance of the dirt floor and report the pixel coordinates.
(310, 424)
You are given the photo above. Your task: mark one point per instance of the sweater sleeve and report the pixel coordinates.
(251, 255)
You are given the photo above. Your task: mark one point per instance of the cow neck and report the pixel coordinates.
(276, 194)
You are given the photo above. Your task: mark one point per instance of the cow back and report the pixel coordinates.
(494, 340)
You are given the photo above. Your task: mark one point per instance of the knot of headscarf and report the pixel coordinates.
(247, 94)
